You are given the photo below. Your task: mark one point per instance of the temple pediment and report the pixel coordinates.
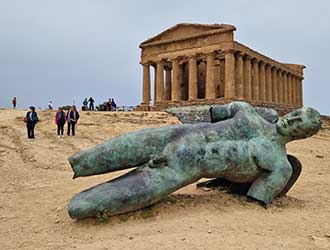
(184, 31)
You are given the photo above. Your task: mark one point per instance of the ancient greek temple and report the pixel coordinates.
(191, 64)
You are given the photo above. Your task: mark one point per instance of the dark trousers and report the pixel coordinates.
(30, 129)
(60, 129)
(91, 106)
(71, 126)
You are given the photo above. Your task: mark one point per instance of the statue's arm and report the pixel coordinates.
(272, 181)
(268, 114)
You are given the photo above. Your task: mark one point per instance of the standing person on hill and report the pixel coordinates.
(85, 104)
(31, 120)
(72, 117)
(50, 105)
(14, 102)
(91, 103)
(113, 105)
(60, 119)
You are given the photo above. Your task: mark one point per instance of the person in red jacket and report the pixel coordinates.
(60, 119)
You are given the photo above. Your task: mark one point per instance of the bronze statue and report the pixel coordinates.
(234, 142)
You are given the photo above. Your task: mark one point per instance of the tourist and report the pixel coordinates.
(50, 105)
(113, 105)
(60, 120)
(91, 103)
(108, 105)
(72, 117)
(85, 103)
(31, 120)
(14, 102)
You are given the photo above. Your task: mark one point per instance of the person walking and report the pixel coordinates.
(14, 102)
(72, 117)
(31, 120)
(60, 119)
(91, 103)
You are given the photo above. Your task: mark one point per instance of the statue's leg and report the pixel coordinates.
(122, 152)
(296, 170)
(137, 189)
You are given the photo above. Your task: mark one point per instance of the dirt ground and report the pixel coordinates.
(36, 185)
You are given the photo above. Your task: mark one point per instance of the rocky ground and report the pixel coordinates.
(36, 185)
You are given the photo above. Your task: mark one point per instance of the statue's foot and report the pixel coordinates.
(134, 190)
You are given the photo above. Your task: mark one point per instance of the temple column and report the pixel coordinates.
(290, 89)
(239, 75)
(301, 94)
(168, 83)
(229, 74)
(255, 80)
(297, 91)
(160, 81)
(280, 86)
(268, 83)
(155, 81)
(285, 88)
(247, 78)
(146, 84)
(210, 83)
(274, 85)
(176, 80)
(294, 91)
(192, 82)
(262, 81)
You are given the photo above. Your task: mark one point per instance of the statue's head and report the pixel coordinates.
(299, 124)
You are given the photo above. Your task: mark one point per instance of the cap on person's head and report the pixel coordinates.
(32, 108)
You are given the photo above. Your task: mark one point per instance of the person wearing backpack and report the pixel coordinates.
(60, 119)
(31, 120)
(72, 117)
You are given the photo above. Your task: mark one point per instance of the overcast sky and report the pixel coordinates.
(62, 50)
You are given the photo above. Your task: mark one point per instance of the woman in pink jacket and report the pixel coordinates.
(60, 119)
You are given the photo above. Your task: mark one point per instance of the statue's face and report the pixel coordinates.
(299, 124)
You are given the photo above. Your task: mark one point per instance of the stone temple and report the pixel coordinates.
(195, 64)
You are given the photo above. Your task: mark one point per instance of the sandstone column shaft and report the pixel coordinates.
(294, 91)
(160, 81)
(280, 86)
(262, 82)
(176, 80)
(210, 83)
(168, 83)
(255, 80)
(247, 78)
(290, 89)
(239, 76)
(229, 74)
(301, 94)
(269, 83)
(192, 82)
(285, 88)
(274, 85)
(297, 91)
(155, 81)
(146, 84)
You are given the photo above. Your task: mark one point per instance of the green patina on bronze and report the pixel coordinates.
(236, 142)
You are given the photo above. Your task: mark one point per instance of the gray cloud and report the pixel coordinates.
(60, 50)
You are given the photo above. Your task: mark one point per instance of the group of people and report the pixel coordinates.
(109, 105)
(61, 118)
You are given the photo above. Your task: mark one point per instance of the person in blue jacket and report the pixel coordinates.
(31, 119)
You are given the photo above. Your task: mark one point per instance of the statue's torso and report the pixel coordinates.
(228, 148)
